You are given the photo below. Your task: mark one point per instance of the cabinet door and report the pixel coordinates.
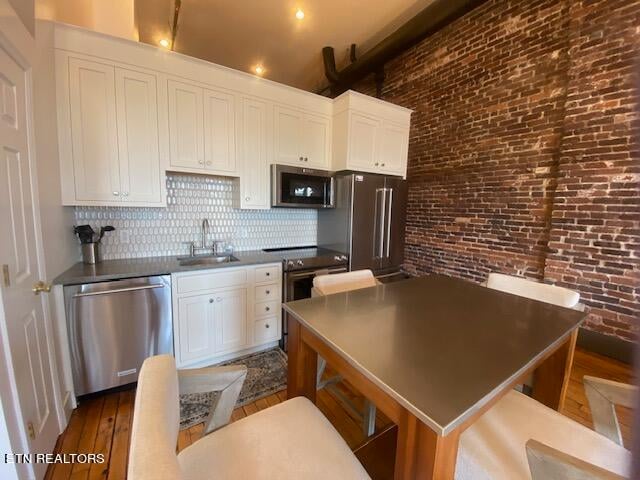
(196, 323)
(93, 130)
(137, 113)
(288, 136)
(186, 144)
(219, 131)
(254, 182)
(231, 319)
(394, 142)
(363, 132)
(316, 134)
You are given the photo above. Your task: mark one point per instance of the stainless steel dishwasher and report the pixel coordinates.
(114, 326)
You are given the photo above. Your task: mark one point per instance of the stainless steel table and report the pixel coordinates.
(433, 354)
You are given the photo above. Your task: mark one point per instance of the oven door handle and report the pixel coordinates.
(314, 273)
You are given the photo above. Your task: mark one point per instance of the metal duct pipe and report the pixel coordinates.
(433, 18)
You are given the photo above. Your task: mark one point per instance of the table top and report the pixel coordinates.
(441, 347)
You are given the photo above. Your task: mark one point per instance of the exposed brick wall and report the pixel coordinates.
(521, 153)
(595, 221)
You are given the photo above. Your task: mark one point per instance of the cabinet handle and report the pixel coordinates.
(267, 325)
(125, 194)
(301, 159)
(377, 164)
(267, 309)
(211, 300)
(115, 194)
(247, 199)
(306, 159)
(219, 299)
(268, 274)
(268, 292)
(382, 165)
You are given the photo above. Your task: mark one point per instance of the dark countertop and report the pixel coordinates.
(441, 347)
(148, 266)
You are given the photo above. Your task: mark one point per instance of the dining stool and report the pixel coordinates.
(288, 441)
(523, 287)
(520, 438)
(543, 292)
(337, 283)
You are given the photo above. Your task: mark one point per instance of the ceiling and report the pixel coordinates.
(244, 34)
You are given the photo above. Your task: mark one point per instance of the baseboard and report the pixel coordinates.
(613, 347)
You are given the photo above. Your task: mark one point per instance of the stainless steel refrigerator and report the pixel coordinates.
(367, 222)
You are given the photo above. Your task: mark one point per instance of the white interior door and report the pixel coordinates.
(23, 331)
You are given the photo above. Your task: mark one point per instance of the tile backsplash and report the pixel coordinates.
(144, 232)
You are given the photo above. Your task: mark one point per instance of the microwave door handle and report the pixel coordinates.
(389, 209)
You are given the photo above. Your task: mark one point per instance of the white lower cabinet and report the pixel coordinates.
(226, 312)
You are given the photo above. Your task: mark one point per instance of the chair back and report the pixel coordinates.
(156, 422)
(343, 282)
(543, 292)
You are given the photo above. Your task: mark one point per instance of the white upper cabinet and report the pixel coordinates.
(370, 135)
(137, 112)
(363, 134)
(186, 125)
(110, 153)
(301, 139)
(220, 131)
(94, 133)
(128, 112)
(202, 129)
(254, 191)
(393, 147)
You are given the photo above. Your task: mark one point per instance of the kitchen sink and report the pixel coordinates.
(206, 260)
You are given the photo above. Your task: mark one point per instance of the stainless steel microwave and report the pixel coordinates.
(300, 187)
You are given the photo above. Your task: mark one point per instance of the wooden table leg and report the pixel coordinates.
(551, 378)
(303, 364)
(423, 454)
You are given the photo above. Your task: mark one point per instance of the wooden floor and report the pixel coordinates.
(103, 424)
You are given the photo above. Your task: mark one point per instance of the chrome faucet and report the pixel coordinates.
(205, 232)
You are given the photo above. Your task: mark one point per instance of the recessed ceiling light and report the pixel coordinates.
(164, 43)
(259, 69)
(299, 14)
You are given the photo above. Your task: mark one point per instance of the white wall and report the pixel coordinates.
(25, 10)
(113, 17)
(59, 244)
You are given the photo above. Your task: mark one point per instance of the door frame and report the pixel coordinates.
(21, 46)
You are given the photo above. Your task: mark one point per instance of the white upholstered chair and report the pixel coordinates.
(291, 440)
(520, 438)
(337, 283)
(543, 292)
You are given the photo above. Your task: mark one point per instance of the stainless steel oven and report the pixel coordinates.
(301, 187)
(297, 286)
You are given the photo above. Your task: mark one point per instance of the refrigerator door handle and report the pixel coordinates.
(389, 210)
(380, 224)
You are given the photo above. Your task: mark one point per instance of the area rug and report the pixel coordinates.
(266, 374)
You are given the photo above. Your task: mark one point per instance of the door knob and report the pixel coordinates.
(41, 286)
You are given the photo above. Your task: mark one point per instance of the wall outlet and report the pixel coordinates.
(124, 236)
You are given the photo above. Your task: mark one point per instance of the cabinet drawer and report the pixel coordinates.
(267, 274)
(267, 292)
(267, 308)
(210, 281)
(266, 330)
